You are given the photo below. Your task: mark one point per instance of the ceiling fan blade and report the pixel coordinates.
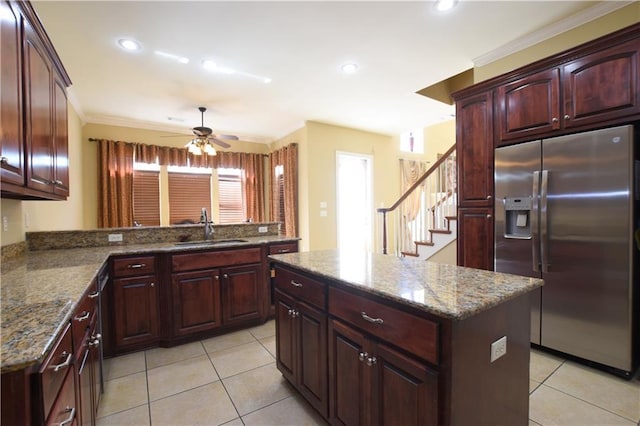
(220, 143)
(228, 137)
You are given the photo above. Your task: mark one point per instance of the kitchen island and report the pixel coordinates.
(375, 339)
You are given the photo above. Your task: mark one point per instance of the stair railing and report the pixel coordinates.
(424, 206)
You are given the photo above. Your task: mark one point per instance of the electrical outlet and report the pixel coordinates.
(114, 238)
(5, 223)
(498, 348)
(262, 229)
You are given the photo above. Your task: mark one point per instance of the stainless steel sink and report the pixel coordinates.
(211, 242)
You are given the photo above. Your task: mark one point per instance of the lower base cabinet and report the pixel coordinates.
(196, 301)
(372, 384)
(301, 344)
(135, 311)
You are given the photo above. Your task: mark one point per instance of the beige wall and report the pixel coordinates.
(614, 21)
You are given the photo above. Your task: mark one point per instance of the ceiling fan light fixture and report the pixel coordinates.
(209, 149)
(445, 5)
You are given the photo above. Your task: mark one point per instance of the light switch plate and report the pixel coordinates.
(498, 348)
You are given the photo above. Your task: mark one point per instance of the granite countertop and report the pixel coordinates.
(447, 291)
(40, 290)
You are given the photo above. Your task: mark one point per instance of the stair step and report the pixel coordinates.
(439, 231)
(451, 217)
(409, 253)
(424, 243)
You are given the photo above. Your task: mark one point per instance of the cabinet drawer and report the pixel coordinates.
(214, 259)
(301, 287)
(414, 334)
(54, 369)
(283, 248)
(130, 266)
(84, 315)
(64, 411)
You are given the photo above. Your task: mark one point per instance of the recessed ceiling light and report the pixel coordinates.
(129, 44)
(445, 5)
(349, 68)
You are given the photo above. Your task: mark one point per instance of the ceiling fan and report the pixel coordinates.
(204, 137)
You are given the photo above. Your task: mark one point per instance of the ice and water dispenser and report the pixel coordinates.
(517, 217)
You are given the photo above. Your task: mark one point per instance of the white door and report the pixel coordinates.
(354, 204)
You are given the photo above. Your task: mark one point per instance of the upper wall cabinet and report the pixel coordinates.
(34, 110)
(588, 91)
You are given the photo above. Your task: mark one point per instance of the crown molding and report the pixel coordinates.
(580, 18)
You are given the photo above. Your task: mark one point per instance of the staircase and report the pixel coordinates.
(424, 217)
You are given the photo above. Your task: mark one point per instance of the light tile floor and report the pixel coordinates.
(233, 380)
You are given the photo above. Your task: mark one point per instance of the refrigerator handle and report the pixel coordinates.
(544, 223)
(535, 238)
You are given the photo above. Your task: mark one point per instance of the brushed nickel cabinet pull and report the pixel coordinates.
(362, 356)
(94, 295)
(283, 250)
(72, 415)
(371, 319)
(66, 363)
(295, 284)
(567, 117)
(85, 316)
(4, 160)
(371, 361)
(136, 265)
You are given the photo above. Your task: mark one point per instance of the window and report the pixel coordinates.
(146, 197)
(230, 200)
(189, 192)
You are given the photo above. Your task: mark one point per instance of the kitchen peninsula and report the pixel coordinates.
(375, 339)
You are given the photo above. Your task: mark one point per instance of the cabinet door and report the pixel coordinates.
(38, 113)
(474, 146)
(241, 293)
(285, 335)
(602, 86)
(405, 392)
(85, 383)
(529, 106)
(348, 383)
(135, 310)
(60, 139)
(475, 238)
(11, 136)
(196, 301)
(312, 359)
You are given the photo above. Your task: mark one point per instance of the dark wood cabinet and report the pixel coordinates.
(11, 135)
(242, 292)
(475, 241)
(34, 109)
(135, 311)
(529, 106)
(474, 140)
(602, 86)
(196, 301)
(301, 337)
(371, 383)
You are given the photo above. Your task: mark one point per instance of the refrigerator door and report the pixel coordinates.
(586, 298)
(515, 167)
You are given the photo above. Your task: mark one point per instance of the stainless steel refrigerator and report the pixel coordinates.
(565, 213)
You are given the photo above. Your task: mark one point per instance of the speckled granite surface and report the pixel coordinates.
(40, 290)
(448, 291)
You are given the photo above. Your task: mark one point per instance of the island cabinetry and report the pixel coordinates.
(301, 335)
(135, 302)
(281, 248)
(594, 89)
(34, 156)
(211, 289)
(371, 382)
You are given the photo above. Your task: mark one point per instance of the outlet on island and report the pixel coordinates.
(498, 348)
(262, 229)
(114, 238)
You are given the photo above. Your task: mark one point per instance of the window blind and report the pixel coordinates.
(146, 197)
(231, 205)
(188, 194)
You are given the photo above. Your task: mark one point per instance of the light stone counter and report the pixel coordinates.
(444, 290)
(39, 292)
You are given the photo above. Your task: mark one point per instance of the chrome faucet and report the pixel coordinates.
(208, 225)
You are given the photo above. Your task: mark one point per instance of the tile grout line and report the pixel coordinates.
(222, 383)
(146, 375)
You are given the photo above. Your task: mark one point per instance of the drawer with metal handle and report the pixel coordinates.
(133, 266)
(407, 331)
(64, 411)
(55, 368)
(301, 287)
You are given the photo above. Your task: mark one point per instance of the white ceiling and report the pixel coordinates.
(400, 46)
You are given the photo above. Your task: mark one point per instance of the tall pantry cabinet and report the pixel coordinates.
(592, 86)
(33, 108)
